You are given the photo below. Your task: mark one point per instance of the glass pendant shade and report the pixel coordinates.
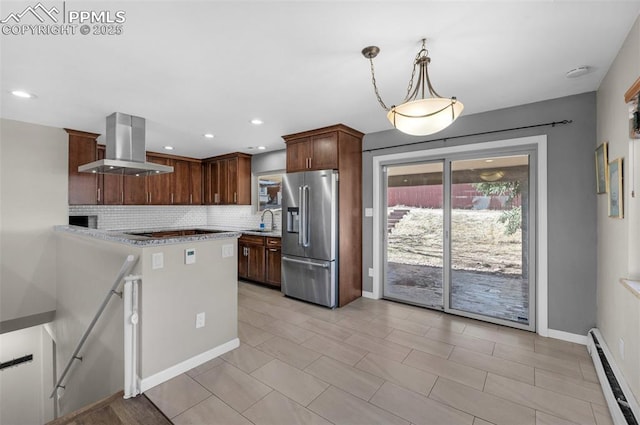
(425, 116)
(424, 111)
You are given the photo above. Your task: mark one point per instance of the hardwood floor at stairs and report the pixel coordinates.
(115, 410)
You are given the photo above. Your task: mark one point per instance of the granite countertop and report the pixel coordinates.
(124, 235)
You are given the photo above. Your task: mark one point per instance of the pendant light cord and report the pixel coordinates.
(445, 139)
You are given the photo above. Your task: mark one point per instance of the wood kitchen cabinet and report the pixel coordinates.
(251, 257)
(182, 187)
(259, 259)
(312, 152)
(273, 261)
(195, 173)
(116, 189)
(83, 187)
(340, 148)
(227, 179)
(159, 187)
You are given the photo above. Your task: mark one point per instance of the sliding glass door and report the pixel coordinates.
(489, 244)
(414, 234)
(457, 235)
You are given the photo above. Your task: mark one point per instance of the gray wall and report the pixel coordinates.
(270, 161)
(33, 198)
(571, 194)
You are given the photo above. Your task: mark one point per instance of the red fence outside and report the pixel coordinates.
(463, 196)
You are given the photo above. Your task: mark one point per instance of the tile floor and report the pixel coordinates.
(379, 362)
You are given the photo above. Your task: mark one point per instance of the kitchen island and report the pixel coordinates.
(185, 273)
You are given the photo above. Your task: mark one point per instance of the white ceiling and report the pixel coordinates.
(195, 67)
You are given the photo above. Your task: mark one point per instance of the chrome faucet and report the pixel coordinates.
(272, 219)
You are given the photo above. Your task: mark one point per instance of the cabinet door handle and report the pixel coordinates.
(191, 198)
(122, 197)
(215, 198)
(98, 194)
(149, 197)
(273, 250)
(172, 198)
(309, 162)
(235, 197)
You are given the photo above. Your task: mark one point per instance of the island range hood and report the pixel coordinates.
(125, 152)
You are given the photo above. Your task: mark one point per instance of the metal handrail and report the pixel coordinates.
(124, 270)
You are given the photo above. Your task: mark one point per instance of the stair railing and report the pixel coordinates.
(124, 270)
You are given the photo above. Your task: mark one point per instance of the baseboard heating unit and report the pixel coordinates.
(622, 404)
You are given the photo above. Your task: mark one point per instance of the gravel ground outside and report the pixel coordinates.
(478, 241)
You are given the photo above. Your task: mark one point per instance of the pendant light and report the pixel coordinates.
(418, 115)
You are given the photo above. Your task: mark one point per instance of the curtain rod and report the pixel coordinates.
(444, 139)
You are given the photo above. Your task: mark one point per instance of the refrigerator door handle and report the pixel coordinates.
(305, 216)
(301, 216)
(324, 265)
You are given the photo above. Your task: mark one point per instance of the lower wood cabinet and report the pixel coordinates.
(259, 259)
(273, 261)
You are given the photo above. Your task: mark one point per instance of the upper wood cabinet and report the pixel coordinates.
(83, 187)
(312, 152)
(227, 179)
(115, 189)
(159, 187)
(182, 187)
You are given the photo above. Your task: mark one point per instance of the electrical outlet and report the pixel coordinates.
(200, 320)
(157, 260)
(621, 348)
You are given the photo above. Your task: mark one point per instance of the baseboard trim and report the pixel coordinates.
(566, 336)
(173, 371)
(367, 294)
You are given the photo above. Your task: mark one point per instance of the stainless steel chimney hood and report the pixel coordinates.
(125, 149)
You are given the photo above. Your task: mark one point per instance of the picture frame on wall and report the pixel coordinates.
(616, 204)
(602, 173)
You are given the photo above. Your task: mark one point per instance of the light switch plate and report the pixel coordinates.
(190, 256)
(157, 260)
(368, 212)
(370, 272)
(227, 251)
(200, 320)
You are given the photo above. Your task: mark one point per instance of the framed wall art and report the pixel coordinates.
(616, 205)
(602, 173)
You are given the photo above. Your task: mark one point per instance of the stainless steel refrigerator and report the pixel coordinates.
(310, 236)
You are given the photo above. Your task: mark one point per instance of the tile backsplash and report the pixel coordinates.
(117, 217)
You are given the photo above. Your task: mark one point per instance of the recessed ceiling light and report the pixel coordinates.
(169, 148)
(256, 121)
(577, 72)
(23, 94)
(209, 135)
(262, 148)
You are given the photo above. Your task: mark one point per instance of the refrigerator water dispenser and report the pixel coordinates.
(293, 220)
